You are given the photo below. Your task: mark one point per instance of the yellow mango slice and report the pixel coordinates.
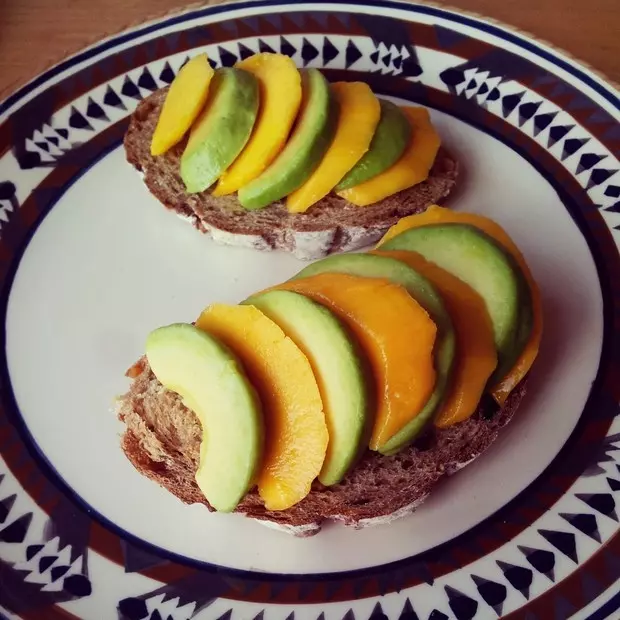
(440, 215)
(280, 99)
(396, 334)
(476, 356)
(184, 102)
(295, 430)
(412, 167)
(358, 115)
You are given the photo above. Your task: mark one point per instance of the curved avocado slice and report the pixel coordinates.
(210, 379)
(391, 137)
(339, 368)
(478, 260)
(222, 129)
(316, 125)
(374, 266)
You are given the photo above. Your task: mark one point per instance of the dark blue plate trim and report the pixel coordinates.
(612, 605)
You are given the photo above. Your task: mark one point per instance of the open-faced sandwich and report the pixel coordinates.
(348, 392)
(266, 156)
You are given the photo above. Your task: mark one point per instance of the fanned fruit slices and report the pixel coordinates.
(357, 352)
(271, 132)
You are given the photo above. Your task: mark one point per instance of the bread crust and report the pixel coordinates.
(331, 225)
(162, 441)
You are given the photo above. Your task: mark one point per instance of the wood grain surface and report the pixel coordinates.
(35, 34)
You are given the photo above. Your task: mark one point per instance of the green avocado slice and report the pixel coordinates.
(212, 383)
(221, 131)
(315, 129)
(339, 367)
(391, 138)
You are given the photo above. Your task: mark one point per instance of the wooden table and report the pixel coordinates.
(35, 34)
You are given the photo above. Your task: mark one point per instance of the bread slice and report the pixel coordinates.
(331, 225)
(162, 440)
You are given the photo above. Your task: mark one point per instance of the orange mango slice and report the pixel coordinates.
(412, 168)
(476, 357)
(280, 99)
(184, 102)
(440, 215)
(358, 115)
(397, 335)
(295, 431)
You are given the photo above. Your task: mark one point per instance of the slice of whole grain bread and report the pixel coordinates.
(331, 225)
(162, 440)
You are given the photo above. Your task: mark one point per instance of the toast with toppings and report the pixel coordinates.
(348, 392)
(331, 225)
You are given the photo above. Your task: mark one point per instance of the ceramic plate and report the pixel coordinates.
(90, 262)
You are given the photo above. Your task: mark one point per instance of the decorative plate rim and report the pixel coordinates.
(594, 81)
(574, 65)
